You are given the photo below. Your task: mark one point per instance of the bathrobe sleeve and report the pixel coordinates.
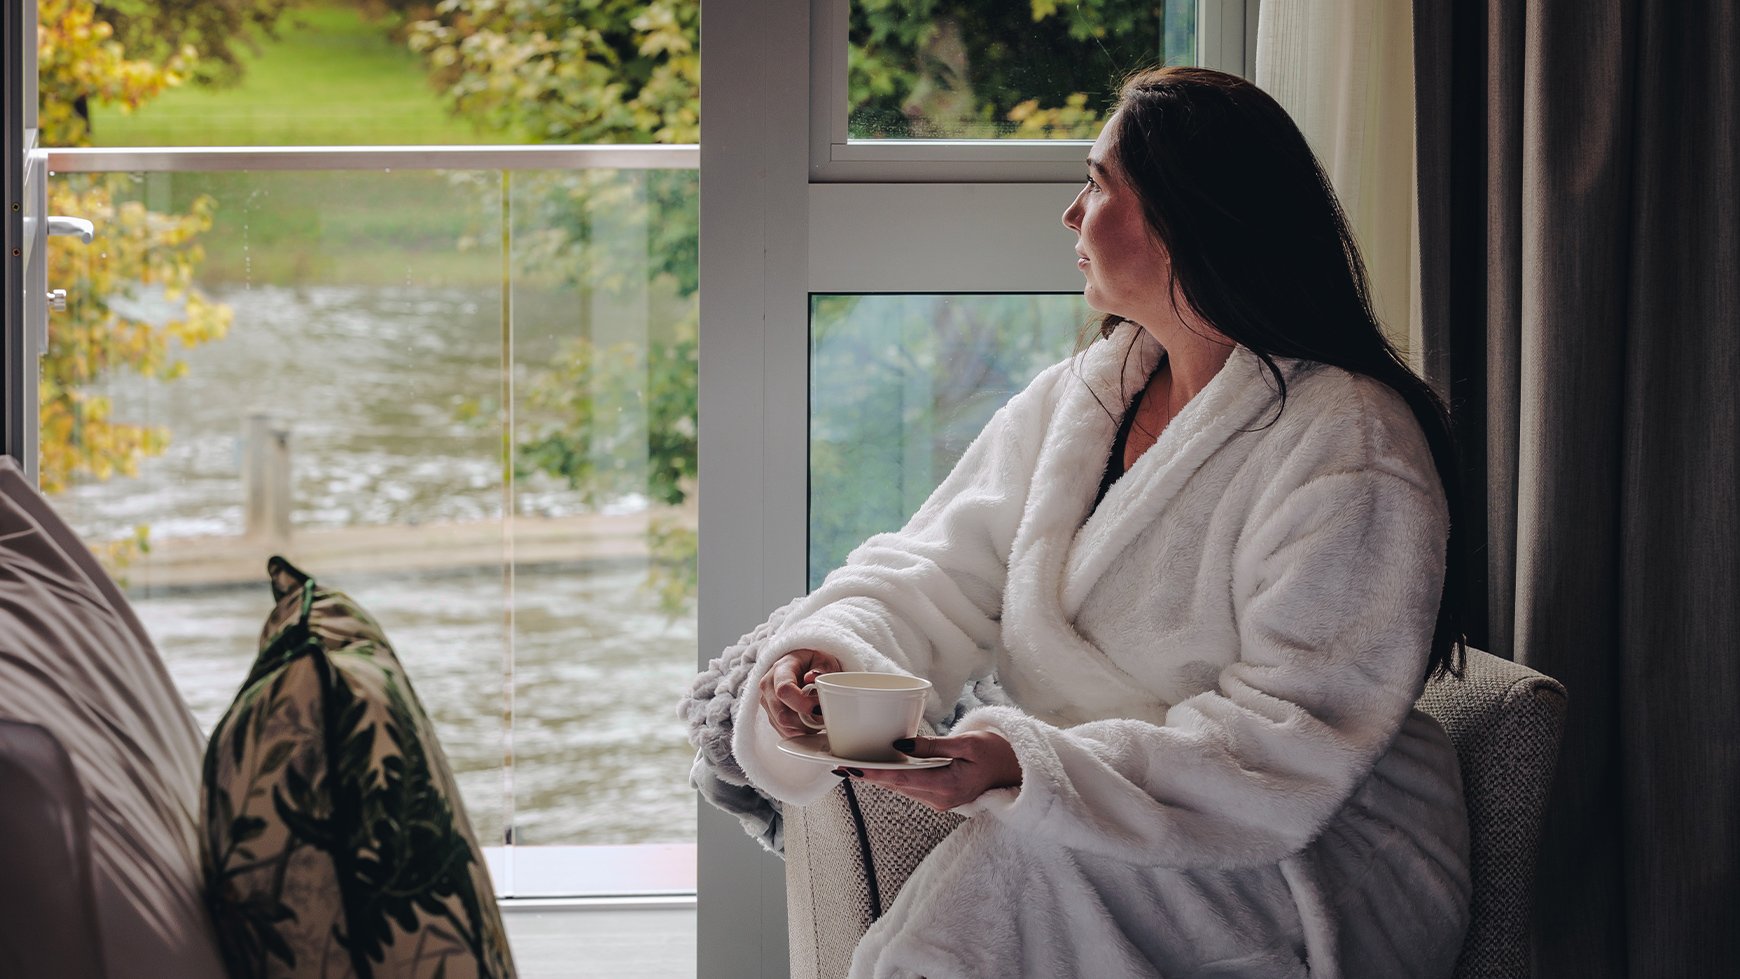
(925, 600)
(1336, 585)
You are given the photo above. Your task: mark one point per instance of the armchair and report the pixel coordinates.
(1504, 719)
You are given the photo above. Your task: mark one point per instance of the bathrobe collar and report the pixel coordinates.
(1063, 552)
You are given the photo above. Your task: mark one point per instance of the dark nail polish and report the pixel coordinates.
(841, 772)
(855, 773)
(905, 744)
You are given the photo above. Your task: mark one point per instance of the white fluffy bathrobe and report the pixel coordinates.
(1211, 682)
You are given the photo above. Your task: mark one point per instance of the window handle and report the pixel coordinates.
(85, 230)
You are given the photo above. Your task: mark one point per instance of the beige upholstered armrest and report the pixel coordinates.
(1505, 720)
(830, 900)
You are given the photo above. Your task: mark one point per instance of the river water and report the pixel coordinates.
(553, 692)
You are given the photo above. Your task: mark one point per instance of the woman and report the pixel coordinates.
(1198, 574)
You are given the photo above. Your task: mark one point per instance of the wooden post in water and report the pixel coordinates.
(266, 478)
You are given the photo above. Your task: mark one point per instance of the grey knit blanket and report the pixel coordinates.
(708, 709)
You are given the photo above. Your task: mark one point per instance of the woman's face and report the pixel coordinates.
(1127, 269)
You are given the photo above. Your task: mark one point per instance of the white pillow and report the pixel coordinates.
(75, 660)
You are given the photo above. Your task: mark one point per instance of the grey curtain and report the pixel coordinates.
(1580, 286)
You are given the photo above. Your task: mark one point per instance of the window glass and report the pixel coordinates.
(466, 398)
(602, 434)
(1036, 69)
(899, 387)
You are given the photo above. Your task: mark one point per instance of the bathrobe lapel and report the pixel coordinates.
(1241, 397)
(1058, 560)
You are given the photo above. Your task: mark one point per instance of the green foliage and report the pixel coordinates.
(79, 62)
(219, 30)
(82, 61)
(673, 546)
(594, 71)
(901, 386)
(571, 71)
(621, 71)
(607, 231)
(612, 413)
(609, 417)
(619, 419)
(987, 68)
(136, 251)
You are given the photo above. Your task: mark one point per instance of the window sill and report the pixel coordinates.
(587, 874)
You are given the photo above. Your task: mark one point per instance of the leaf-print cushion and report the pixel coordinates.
(334, 842)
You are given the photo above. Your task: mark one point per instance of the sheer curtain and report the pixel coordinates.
(1580, 254)
(1345, 73)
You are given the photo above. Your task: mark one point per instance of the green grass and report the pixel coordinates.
(332, 77)
(343, 227)
(376, 228)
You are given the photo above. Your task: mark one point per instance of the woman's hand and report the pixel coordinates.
(781, 691)
(983, 760)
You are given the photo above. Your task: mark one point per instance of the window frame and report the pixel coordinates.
(25, 307)
(775, 198)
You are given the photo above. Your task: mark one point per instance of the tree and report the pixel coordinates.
(213, 32)
(570, 71)
(614, 71)
(935, 69)
(79, 60)
(625, 71)
(82, 60)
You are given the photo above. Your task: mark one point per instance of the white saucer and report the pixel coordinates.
(814, 747)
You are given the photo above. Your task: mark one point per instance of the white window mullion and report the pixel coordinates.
(753, 411)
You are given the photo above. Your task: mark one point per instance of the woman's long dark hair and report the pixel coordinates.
(1261, 251)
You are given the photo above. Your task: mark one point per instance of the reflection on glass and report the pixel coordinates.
(604, 426)
(899, 387)
(481, 390)
(1038, 70)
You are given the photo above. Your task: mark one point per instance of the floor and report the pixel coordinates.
(615, 939)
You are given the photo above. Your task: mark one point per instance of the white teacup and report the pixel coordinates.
(864, 713)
